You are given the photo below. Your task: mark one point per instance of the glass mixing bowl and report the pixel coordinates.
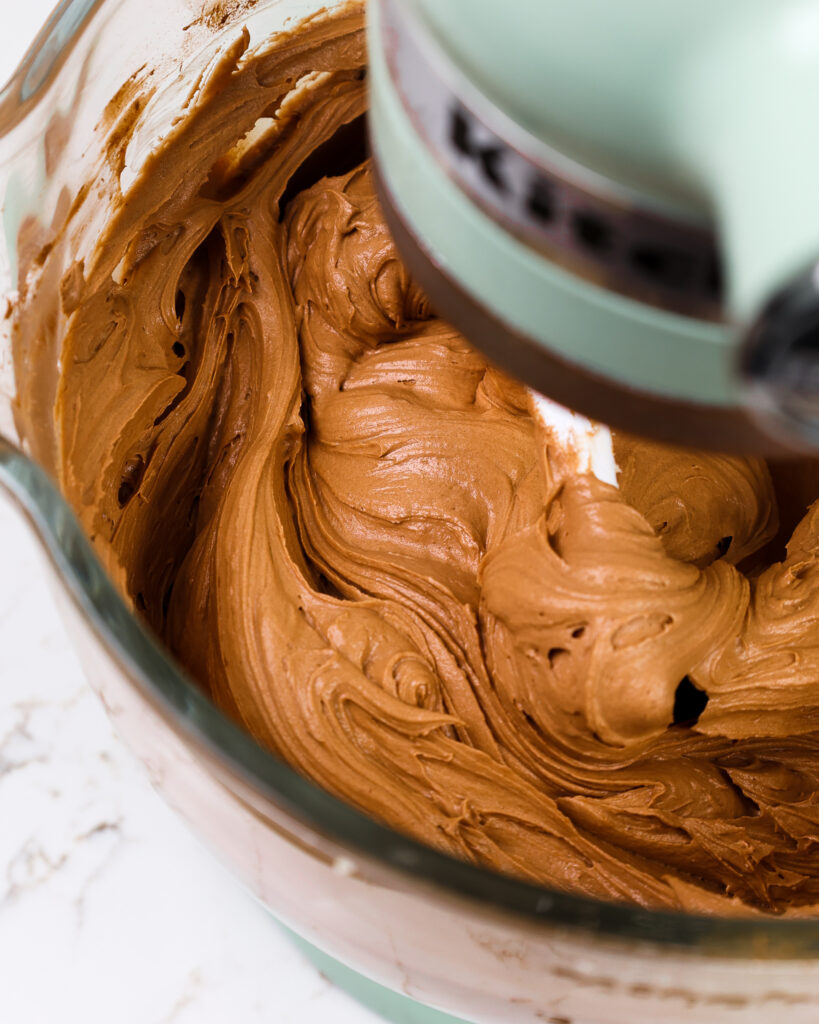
(449, 935)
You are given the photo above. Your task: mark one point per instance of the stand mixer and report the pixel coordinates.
(616, 202)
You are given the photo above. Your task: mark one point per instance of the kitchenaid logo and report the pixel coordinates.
(594, 229)
(488, 158)
(645, 253)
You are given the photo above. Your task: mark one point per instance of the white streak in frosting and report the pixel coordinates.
(590, 443)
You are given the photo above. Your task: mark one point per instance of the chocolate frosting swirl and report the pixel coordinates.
(358, 538)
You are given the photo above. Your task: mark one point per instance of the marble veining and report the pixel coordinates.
(110, 910)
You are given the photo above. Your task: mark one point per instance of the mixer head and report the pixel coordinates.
(616, 201)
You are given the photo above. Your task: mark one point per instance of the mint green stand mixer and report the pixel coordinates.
(617, 202)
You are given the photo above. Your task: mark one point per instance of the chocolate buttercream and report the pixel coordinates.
(355, 534)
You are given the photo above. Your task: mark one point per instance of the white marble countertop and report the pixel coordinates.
(110, 911)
